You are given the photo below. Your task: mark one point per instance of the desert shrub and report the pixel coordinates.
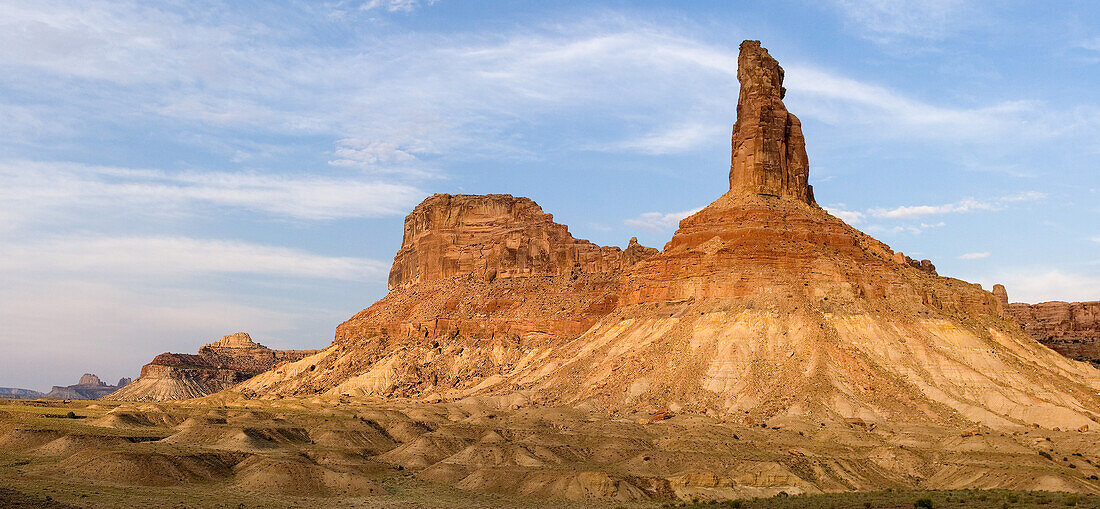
(924, 502)
(1046, 455)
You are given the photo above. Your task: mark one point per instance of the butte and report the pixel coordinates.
(762, 308)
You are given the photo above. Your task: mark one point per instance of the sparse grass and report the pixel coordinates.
(904, 499)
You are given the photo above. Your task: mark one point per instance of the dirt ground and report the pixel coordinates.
(497, 453)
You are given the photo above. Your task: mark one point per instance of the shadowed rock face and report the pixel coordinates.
(769, 152)
(218, 365)
(762, 306)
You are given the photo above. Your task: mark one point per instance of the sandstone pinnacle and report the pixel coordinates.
(1001, 294)
(769, 152)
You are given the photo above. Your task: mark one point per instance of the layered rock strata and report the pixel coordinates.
(217, 366)
(769, 151)
(762, 308)
(1069, 328)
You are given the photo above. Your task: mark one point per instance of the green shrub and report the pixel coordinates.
(924, 502)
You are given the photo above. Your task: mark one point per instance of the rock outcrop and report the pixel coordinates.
(217, 366)
(1069, 328)
(762, 307)
(769, 152)
(489, 237)
(88, 387)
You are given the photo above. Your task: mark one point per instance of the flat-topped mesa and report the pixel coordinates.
(235, 340)
(769, 152)
(491, 236)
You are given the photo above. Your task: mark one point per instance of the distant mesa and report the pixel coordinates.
(88, 387)
(761, 306)
(217, 366)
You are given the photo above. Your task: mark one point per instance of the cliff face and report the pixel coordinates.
(489, 237)
(1069, 328)
(218, 365)
(761, 306)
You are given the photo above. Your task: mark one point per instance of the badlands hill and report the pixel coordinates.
(218, 365)
(763, 306)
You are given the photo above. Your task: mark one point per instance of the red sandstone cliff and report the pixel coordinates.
(1069, 328)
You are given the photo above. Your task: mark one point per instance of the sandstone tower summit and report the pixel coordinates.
(769, 152)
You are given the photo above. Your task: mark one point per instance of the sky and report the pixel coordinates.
(171, 172)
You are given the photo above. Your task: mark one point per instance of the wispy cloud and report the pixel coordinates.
(29, 188)
(674, 139)
(959, 207)
(467, 94)
(660, 221)
(974, 256)
(178, 257)
(889, 20)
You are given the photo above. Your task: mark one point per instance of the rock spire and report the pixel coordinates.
(769, 152)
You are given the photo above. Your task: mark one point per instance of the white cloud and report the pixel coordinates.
(974, 256)
(28, 188)
(659, 221)
(851, 217)
(887, 20)
(177, 257)
(962, 206)
(1091, 44)
(674, 139)
(1042, 284)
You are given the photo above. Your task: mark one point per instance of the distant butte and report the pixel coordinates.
(219, 365)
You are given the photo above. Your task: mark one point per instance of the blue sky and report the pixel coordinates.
(173, 172)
